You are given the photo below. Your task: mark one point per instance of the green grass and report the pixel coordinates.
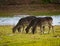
(6, 14)
(29, 12)
(39, 13)
(7, 38)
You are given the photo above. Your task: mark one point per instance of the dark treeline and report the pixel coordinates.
(19, 2)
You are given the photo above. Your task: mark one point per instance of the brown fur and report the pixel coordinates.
(22, 23)
(41, 22)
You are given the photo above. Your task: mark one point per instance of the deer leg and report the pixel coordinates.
(19, 29)
(49, 29)
(28, 27)
(23, 28)
(53, 29)
(34, 28)
(14, 29)
(50, 26)
(41, 29)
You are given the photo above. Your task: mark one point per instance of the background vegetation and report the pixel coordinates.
(31, 7)
(19, 2)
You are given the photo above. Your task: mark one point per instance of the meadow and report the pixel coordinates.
(7, 38)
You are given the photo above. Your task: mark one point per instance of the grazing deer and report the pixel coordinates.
(22, 23)
(41, 22)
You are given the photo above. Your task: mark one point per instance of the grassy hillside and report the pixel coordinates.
(7, 38)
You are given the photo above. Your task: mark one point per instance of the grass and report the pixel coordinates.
(35, 13)
(6, 14)
(42, 13)
(7, 38)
